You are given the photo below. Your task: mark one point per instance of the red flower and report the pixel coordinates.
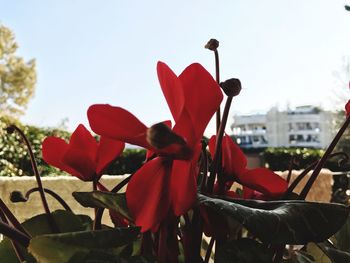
(167, 183)
(255, 181)
(83, 157)
(347, 108)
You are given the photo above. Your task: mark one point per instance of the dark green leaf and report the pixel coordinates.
(97, 199)
(282, 222)
(343, 237)
(37, 225)
(242, 251)
(334, 254)
(64, 247)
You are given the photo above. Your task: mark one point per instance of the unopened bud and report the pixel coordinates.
(17, 197)
(161, 136)
(231, 87)
(10, 129)
(212, 44)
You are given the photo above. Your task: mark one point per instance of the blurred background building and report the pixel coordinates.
(305, 126)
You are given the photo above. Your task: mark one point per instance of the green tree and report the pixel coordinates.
(17, 77)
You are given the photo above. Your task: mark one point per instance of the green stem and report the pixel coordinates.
(322, 161)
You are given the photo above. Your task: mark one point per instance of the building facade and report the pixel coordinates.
(305, 126)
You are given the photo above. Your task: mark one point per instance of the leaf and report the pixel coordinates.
(282, 222)
(334, 254)
(57, 248)
(243, 251)
(343, 237)
(37, 225)
(98, 199)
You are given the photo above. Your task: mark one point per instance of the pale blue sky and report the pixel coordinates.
(106, 51)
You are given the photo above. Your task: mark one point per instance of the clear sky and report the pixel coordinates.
(90, 51)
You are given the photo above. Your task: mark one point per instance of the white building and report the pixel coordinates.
(306, 126)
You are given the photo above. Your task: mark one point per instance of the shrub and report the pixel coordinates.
(14, 159)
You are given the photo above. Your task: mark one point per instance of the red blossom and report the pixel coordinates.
(166, 183)
(255, 181)
(83, 156)
(347, 108)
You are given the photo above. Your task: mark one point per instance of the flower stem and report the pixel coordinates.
(15, 246)
(306, 171)
(322, 161)
(119, 186)
(209, 249)
(217, 76)
(14, 234)
(217, 155)
(51, 221)
(53, 194)
(13, 219)
(204, 167)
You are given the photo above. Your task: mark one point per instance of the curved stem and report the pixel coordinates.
(322, 161)
(14, 234)
(217, 155)
(51, 220)
(53, 194)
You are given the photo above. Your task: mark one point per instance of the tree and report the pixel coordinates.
(17, 77)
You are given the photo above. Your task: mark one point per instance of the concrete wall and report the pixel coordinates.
(62, 185)
(65, 185)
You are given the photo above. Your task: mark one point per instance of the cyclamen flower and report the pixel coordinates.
(347, 108)
(83, 156)
(256, 182)
(167, 183)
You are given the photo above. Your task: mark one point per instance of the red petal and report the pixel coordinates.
(172, 89)
(347, 108)
(147, 194)
(53, 150)
(211, 144)
(117, 123)
(183, 186)
(108, 151)
(234, 161)
(82, 139)
(202, 97)
(265, 181)
(81, 162)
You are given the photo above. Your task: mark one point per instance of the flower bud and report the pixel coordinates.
(17, 197)
(161, 136)
(231, 87)
(212, 44)
(10, 129)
